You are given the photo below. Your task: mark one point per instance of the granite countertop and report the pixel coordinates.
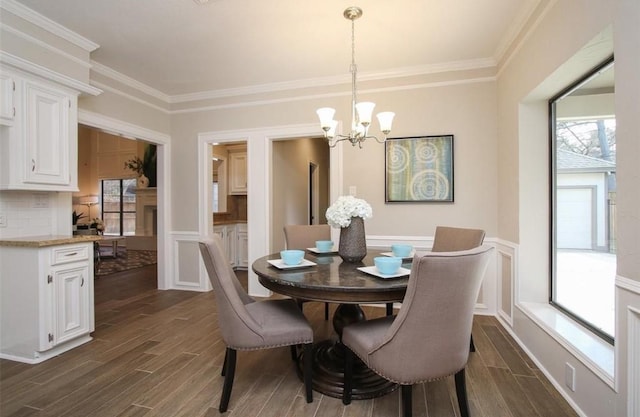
(49, 240)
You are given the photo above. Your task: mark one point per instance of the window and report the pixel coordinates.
(583, 195)
(119, 207)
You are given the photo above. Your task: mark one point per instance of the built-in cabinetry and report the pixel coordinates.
(38, 134)
(46, 298)
(7, 109)
(234, 240)
(237, 169)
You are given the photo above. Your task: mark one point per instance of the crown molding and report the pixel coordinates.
(39, 70)
(128, 81)
(47, 24)
(335, 80)
(49, 47)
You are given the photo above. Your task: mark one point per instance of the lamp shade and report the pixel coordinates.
(385, 119)
(325, 114)
(365, 110)
(89, 200)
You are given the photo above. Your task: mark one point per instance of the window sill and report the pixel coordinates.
(592, 351)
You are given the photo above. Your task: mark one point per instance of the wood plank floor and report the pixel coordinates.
(158, 353)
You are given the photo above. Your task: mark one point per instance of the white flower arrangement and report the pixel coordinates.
(340, 213)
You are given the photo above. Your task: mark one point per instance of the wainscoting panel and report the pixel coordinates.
(505, 285)
(188, 270)
(634, 362)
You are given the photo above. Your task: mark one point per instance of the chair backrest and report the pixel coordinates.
(237, 326)
(298, 236)
(430, 336)
(450, 239)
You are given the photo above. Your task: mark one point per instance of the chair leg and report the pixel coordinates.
(326, 311)
(348, 376)
(294, 353)
(224, 364)
(472, 346)
(308, 370)
(461, 393)
(228, 379)
(406, 400)
(389, 309)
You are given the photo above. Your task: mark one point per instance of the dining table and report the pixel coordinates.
(325, 277)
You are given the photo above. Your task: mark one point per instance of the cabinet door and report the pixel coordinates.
(71, 298)
(7, 109)
(237, 173)
(47, 134)
(243, 248)
(227, 233)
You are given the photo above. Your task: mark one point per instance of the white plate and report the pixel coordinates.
(323, 252)
(279, 263)
(413, 252)
(372, 270)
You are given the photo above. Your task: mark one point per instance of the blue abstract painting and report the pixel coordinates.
(419, 169)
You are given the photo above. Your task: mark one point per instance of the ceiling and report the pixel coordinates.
(181, 47)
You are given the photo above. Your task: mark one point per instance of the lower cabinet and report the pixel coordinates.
(46, 300)
(234, 240)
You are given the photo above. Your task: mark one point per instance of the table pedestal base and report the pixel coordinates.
(328, 374)
(328, 363)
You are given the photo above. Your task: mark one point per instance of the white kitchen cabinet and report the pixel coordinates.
(7, 108)
(243, 246)
(235, 243)
(39, 151)
(229, 238)
(46, 300)
(237, 171)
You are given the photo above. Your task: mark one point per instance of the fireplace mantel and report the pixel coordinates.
(146, 211)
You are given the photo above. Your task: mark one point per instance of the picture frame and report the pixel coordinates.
(419, 169)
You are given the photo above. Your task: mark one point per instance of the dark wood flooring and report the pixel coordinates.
(158, 353)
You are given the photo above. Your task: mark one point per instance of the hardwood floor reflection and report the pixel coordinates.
(158, 353)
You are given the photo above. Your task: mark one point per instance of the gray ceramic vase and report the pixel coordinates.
(353, 243)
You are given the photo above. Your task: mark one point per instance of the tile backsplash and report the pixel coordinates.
(35, 213)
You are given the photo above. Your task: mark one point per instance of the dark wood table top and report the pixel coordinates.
(331, 280)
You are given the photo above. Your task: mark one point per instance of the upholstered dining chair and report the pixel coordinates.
(302, 236)
(449, 239)
(429, 338)
(247, 324)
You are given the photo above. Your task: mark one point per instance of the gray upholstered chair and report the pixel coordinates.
(429, 338)
(300, 236)
(450, 239)
(246, 324)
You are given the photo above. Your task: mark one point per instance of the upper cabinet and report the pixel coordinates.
(39, 139)
(237, 170)
(7, 108)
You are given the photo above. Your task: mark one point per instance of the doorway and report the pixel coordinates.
(299, 184)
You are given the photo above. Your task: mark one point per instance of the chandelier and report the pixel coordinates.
(360, 112)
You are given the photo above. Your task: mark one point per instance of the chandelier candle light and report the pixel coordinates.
(360, 112)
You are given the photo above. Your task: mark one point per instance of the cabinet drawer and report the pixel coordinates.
(66, 254)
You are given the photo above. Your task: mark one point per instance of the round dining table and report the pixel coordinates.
(326, 277)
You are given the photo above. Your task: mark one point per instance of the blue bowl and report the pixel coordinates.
(387, 265)
(292, 256)
(324, 245)
(401, 251)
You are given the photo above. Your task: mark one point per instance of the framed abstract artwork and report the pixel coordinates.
(419, 169)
